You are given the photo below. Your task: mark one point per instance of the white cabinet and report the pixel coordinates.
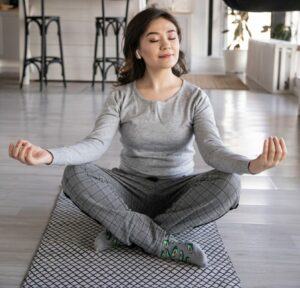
(272, 64)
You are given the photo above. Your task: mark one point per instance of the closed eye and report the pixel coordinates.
(153, 41)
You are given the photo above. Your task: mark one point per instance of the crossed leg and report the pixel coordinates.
(204, 198)
(104, 199)
(111, 200)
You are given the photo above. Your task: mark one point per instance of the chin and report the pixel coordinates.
(170, 64)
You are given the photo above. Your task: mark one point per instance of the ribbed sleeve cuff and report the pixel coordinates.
(57, 156)
(244, 166)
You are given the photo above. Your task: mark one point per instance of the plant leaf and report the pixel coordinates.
(248, 30)
(265, 28)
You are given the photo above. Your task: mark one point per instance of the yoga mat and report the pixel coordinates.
(66, 258)
(230, 82)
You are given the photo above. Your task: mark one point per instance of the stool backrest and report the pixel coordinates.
(26, 4)
(25, 9)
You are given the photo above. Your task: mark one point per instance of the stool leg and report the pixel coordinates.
(46, 64)
(41, 71)
(61, 53)
(103, 72)
(25, 55)
(95, 54)
(117, 52)
(41, 77)
(43, 55)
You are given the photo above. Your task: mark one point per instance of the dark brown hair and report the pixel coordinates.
(134, 68)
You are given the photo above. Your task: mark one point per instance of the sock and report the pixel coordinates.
(188, 252)
(105, 240)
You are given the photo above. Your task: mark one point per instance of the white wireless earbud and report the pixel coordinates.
(137, 55)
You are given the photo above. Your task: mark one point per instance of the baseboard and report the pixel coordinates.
(11, 66)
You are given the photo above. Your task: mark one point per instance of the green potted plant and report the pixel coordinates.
(235, 55)
(279, 32)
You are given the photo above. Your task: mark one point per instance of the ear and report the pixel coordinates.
(137, 55)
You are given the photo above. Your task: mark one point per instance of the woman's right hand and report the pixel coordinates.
(29, 154)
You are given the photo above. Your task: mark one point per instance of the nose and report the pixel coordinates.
(165, 44)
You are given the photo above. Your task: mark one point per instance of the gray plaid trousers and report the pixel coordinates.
(144, 211)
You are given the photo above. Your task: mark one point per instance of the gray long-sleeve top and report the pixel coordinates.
(157, 136)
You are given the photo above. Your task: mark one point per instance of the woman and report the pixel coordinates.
(154, 194)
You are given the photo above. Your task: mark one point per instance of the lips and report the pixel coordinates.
(165, 55)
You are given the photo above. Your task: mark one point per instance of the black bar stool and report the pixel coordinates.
(103, 24)
(37, 61)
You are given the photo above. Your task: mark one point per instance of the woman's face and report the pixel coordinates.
(159, 45)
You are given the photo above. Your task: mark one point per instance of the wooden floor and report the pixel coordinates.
(262, 236)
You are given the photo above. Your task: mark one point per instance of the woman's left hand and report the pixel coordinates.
(274, 151)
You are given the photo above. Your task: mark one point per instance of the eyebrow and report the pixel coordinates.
(156, 33)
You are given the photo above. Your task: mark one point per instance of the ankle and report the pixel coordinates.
(105, 240)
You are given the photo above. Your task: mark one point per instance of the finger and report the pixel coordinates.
(265, 150)
(278, 151)
(23, 152)
(271, 150)
(283, 148)
(29, 159)
(10, 150)
(17, 148)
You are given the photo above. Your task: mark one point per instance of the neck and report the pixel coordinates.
(157, 80)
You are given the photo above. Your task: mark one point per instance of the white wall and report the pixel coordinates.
(78, 35)
(9, 40)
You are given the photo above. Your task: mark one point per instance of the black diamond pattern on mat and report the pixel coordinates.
(66, 258)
